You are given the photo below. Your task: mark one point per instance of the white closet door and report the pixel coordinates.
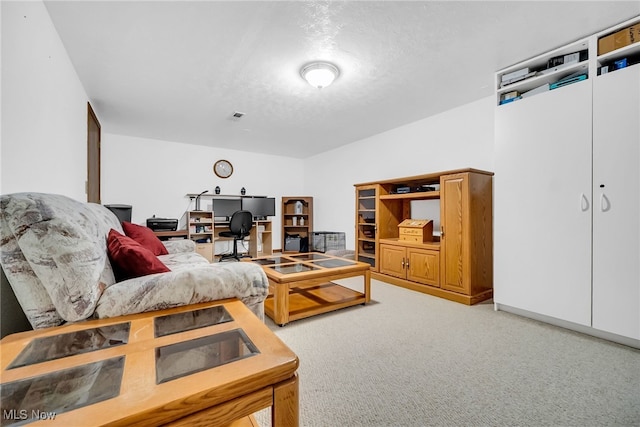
(616, 213)
(542, 204)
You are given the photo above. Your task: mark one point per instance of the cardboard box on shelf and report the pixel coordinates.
(619, 39)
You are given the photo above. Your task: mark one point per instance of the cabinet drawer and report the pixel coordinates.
(412, 238)
(206, 250)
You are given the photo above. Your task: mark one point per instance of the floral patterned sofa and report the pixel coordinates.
(53, 251)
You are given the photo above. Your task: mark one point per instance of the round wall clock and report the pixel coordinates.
(223, 168)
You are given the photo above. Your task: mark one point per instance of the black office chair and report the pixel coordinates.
(239, 228)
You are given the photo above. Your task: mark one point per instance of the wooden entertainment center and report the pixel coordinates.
(458, 263)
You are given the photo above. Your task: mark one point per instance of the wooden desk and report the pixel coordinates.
(207, 364)
(165, 235)
(255, 237)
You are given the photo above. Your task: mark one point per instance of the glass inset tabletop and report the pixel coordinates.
(188, 357)
(333, 263)
(181, 322)
(309, 256)
(272, 260)
(63, 345)
(293, 268)
(61, 391)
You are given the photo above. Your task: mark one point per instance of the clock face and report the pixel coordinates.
(223, 168)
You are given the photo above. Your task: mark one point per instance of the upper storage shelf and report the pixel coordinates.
(611, 49)
(548, 71)
(619, 43)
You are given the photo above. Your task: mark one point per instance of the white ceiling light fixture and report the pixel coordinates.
(319, 74)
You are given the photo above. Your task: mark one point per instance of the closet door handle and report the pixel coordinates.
(584, 203)
(403, 263)
(605, 204)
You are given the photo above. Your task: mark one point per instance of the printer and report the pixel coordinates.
(162, 224)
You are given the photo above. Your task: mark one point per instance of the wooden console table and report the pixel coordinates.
(207, 364)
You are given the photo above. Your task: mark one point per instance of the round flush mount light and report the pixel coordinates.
(319, 74)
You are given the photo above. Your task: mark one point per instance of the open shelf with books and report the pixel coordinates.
(548, 71)
(610, 50)
(297, 223)
(200, 228)
(619, 47)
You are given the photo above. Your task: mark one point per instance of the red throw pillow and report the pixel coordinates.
(145, 237)
(130, 259)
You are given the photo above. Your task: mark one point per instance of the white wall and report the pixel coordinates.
(44, 107)
(43, 146)
(459, 138)
(155, 176)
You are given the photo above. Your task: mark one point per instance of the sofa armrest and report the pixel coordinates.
(202, 283)
(179, 246)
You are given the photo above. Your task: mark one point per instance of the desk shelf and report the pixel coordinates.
(200, 226)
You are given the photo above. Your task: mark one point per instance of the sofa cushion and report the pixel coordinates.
(180, 245)
(64, 246)
(182, 260)
(200, 283)
(29, 291)
(105, 221)
(145, 237)
(130, 259)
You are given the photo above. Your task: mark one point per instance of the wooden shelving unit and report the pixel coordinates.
(200, 228)
(458, 263)
(297, 219)
(367, 202)
(260, 239)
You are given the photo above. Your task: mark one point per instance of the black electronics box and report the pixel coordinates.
(162, 224)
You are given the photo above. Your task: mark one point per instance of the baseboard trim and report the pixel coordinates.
(630, 342)
(432, 290)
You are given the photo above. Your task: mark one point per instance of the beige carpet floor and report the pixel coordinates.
(410, 359)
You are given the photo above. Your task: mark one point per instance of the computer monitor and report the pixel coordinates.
(260, 207)
(224, 208)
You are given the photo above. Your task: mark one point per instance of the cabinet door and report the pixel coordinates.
(454, 240)
(367, 224)
(423, 266)
(206, 250)
(392, 260)
(542, 204)
(616, 213)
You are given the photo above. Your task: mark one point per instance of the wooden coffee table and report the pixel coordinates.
(301, 285)
(210, 364)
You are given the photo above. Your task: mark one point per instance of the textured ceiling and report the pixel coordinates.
(178, 70)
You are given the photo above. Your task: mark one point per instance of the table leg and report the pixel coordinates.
(285, 411)
(281, 303)
(367, 286)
